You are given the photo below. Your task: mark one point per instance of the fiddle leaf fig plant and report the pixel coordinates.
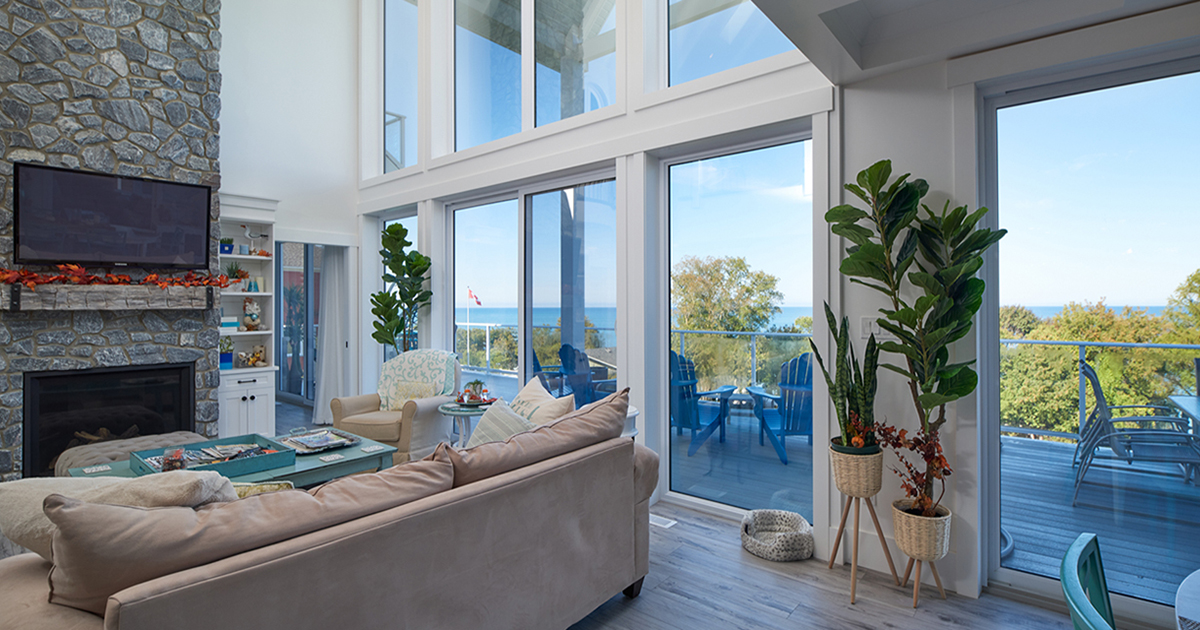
(925, 266)
(396, 307)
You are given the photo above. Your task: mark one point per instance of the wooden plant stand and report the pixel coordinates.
(882, 541)
(917, 581)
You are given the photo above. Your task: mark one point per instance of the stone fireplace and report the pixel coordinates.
(114, 86)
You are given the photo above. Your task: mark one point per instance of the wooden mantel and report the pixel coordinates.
(97, 297)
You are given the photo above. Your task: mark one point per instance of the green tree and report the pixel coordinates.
(1016, 322)
(724, 295)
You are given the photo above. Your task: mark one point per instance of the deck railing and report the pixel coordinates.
(1082, 347)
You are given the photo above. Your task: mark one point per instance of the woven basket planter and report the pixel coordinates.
(924, 538)
(857, 475)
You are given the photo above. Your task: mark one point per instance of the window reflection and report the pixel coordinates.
(575, 50)
(708, 36)
(487, 71)
(400, 66)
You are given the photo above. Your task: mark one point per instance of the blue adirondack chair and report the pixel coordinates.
(550, 376)
(577, 375)
(793, 406)
(685, 403)
(1082, 576)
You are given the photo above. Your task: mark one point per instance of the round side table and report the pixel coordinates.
(1187, 603)
(462, 417)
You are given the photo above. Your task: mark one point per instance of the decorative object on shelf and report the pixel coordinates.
(253, 236)
(260, 284)
(235, 273)
(855, 457)
(74, 274)
(404, 274)
(255, 358)
(226, 245)
(225, 345)
(947, 250)
(250, 315)
(243, 250)
(777, 535)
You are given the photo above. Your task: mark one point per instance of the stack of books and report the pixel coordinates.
(229, 324)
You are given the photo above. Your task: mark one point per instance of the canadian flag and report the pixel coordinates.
(472, 296)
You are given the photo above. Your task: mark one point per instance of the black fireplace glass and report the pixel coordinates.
(73, 407)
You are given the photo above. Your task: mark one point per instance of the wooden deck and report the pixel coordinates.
(700, 578)
(1148, 520)
(1146, 517)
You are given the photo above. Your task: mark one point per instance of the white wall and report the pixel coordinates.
(289, 115)
(928, 121)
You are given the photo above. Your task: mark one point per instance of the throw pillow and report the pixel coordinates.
(23, 522)
(102, 549)
(591, 424)
(393, 396)
(538, 406)
(498, 423)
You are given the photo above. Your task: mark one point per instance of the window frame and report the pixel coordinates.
(991, 97)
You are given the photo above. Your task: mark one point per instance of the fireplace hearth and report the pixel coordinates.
(69, 407)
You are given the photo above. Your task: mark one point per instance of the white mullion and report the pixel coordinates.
(528, 66)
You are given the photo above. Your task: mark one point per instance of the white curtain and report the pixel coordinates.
(333, 373)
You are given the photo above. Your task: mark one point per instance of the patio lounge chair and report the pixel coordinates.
(1084, 587)
(1102, 439)
(685, 403)
(793, 405)
(576, 372)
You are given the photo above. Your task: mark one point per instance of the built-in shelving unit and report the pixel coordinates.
(247, 396)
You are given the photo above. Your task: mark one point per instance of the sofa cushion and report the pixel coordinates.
(396, 392)
(381, 426)
(599, 421)
(23, 522)
(498, 423)
(102, 549)
(24, 603)
(538, 406)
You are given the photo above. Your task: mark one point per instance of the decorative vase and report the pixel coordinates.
(226, 248)
(858, 472)
(227, 360)
(924, 538)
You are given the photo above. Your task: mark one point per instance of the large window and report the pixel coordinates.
(576, 54)
(400, 66)
(708, 36)
(1099, 277)
(573, 241)
(741, 318)
(487, 71)
(486, 294)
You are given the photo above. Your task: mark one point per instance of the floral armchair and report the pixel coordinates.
(404, 411)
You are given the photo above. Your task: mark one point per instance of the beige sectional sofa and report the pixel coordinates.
(534, 533)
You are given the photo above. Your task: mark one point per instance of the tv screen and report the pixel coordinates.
(67, 216)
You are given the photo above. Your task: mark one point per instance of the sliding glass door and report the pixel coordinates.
(741, 318)
(299, 285)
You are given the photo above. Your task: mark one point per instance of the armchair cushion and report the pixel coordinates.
(438, 367)
(381, 426)
(393, 395)
(536, 404)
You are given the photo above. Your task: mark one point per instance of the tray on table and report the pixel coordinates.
(284, 456)
(302, 448)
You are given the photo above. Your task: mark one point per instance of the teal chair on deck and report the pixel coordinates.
(793, 405)
(685, 403)
(1083, 584)
(576, 371)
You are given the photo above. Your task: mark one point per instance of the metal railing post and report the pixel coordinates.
(1082, 390)
(487, 345)
(753, 359)
(681, 352)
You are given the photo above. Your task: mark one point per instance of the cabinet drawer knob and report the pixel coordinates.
(243, 399)
(252, 398)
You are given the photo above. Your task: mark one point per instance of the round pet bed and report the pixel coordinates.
(777, 535)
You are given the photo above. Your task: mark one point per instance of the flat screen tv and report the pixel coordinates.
(67, 216)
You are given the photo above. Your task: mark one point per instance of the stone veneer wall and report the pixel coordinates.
(118, 87)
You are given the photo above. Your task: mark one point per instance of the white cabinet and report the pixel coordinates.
(247, 403)
(247, 393)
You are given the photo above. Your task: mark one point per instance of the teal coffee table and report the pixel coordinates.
(308, 470)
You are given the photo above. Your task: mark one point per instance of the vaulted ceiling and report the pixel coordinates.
(852, 40)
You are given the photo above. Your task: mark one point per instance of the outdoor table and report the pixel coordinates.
(1190, 406)
(1187, 603)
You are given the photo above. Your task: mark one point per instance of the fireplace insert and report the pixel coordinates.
(73, 407)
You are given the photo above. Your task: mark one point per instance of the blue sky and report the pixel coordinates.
(1098, 192)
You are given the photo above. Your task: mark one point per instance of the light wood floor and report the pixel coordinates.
(700, 577)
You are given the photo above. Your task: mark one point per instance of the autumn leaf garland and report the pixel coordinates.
(74, 274)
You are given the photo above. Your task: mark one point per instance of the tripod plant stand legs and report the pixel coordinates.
(917, 582)
(854, 554)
